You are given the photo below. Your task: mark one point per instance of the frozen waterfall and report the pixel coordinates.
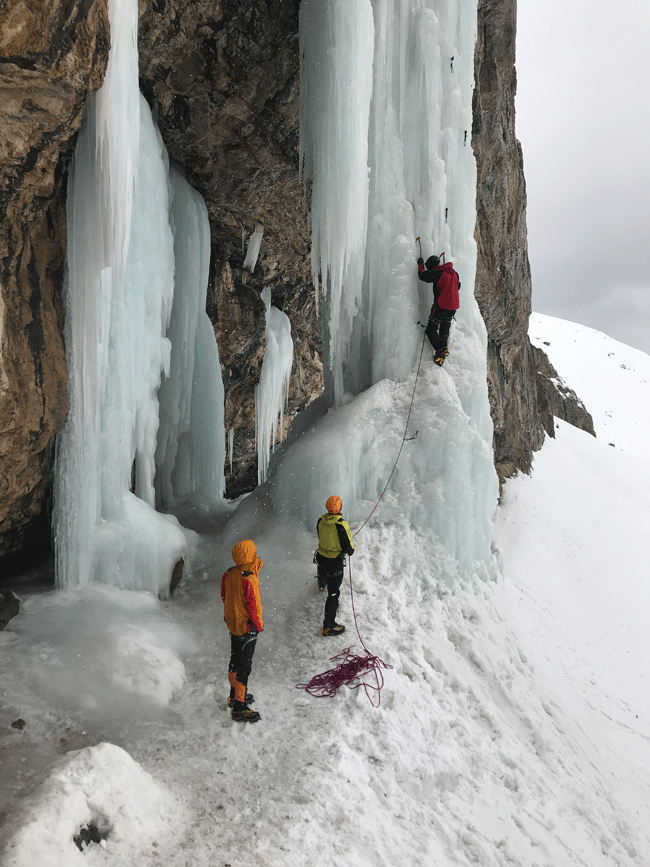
(273, 390)
(125, 258)
(386, 90)
(191, 450)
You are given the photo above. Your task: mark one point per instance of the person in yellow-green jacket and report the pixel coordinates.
(334, 542)
(242, 611)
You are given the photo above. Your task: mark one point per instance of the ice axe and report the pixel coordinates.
(420, 245)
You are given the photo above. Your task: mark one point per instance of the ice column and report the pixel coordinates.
(118, 304)
(190, 455)
(231, 447)
(383, 119)
(386, 104)
(273, 390)
(335, 93)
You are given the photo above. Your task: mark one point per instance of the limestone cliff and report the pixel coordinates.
(503, 281)
(52, 55)
(525, 391)
(222, 79)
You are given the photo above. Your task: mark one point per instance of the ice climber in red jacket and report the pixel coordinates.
(445, 303)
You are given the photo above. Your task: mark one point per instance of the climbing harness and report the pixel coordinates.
(351, 668)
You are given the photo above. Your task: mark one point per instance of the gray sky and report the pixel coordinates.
(583, 119)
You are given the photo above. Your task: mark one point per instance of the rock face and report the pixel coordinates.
(228, 113)
(525, 390)
(521, 413)
(51, 56)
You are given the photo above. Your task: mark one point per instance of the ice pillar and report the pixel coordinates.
(273, 390)
(386, 89)
(190, 454)
(119, 297)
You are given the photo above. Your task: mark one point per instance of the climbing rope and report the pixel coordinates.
(399, 454)
(351, 668)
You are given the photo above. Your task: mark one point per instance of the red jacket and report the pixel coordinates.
(448, 287)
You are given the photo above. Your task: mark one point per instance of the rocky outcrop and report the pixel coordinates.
(563, 402)
(525, 390)
(51, 56)
(9, 606)
(228, 113)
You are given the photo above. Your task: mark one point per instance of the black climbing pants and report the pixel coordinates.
(437, 329)
(242, 648)
(330, 570)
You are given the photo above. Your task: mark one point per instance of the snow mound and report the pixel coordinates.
(102, 650)
(100, 785)
(444, 483)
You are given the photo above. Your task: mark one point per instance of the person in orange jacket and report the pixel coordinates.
(242, 611)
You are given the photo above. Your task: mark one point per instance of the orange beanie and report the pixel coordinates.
(244, 552)
(333, 505)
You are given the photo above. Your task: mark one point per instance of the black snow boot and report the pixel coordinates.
(337, 629)
(241, 713)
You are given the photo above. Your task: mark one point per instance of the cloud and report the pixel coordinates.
(584, 124)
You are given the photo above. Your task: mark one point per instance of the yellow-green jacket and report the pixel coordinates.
(334, 536)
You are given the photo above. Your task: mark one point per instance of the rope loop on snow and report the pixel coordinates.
(349, 672)
(351, 668)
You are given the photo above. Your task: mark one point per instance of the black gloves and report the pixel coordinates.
(420, 261)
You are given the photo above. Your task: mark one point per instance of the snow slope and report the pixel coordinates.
(513, 728)
(612, 379)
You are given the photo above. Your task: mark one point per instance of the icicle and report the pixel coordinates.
(272, 393)
(254, 248)
(378, 99)
(336, 88)
(377, 91)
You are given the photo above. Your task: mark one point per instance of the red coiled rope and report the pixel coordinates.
(351, 668)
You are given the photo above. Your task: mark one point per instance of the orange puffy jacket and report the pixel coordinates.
(240, 591)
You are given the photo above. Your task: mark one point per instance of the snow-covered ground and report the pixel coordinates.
(514, 724)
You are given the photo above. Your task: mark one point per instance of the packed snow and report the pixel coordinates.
(596, 361)
(514, 725)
